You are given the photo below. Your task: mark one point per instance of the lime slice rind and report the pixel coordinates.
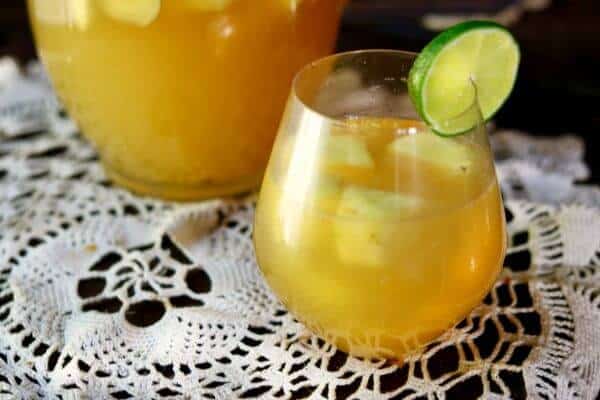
(441, 79)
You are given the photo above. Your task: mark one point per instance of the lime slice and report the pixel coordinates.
(472, 61)
(136, 12)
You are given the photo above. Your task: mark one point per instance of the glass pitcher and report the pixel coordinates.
(182, 98)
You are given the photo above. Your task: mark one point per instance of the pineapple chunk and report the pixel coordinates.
(312, 292)
(347, 150)
(324, 293)
(295, 218)
(440, 152)
(75, 13)
(326, 194)
(79, 12)
(207, 5)
(376, 204)
(309, 230)
(363, 228)
(136, 12)
(361, 243)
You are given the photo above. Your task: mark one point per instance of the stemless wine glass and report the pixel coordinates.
(374, 231)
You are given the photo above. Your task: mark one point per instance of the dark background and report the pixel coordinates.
(558, 90)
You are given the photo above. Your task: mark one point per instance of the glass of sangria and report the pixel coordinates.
(181, 97)
(373, 230)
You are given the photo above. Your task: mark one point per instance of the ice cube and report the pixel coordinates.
(441, 152)
(341, 85)
(136, 12)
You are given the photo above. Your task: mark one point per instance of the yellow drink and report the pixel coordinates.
(388, 236)
(181, 97)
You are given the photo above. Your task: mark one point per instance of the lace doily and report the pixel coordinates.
(104, 295)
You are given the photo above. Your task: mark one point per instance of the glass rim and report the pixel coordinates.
(474, 106)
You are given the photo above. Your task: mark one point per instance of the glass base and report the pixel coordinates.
(183, 191)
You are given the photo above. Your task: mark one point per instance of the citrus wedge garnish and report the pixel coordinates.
(475, 61)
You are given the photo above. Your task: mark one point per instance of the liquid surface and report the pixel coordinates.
(386, 239)
(184, 93)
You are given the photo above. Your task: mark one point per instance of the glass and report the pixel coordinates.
(376, 233)
(181, 97)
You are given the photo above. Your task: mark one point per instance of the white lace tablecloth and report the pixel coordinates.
(105, 295)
